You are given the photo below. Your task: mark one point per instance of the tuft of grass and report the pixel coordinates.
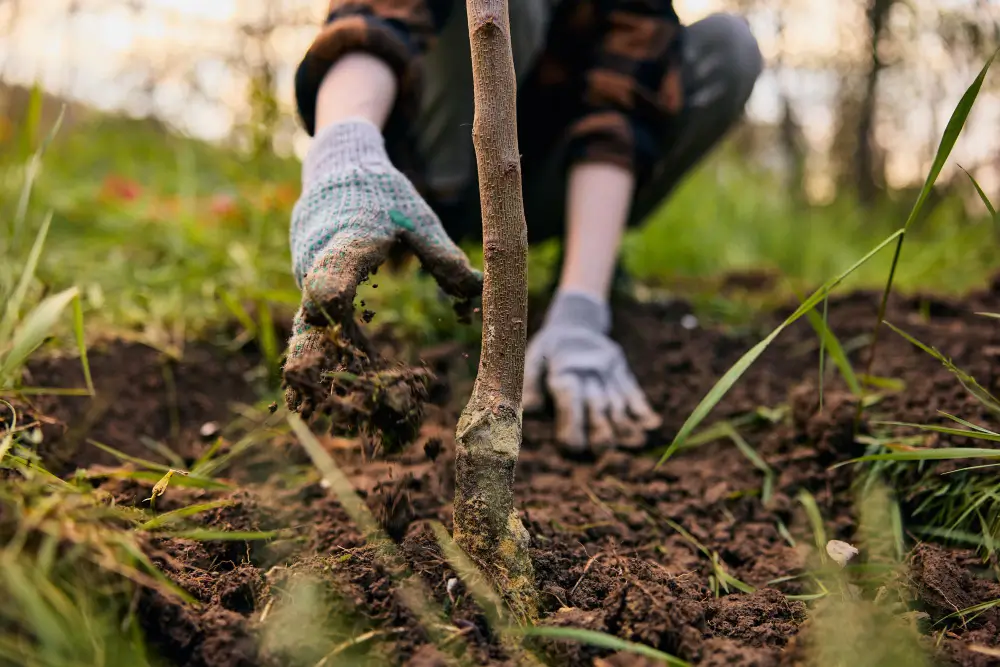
(960, 505)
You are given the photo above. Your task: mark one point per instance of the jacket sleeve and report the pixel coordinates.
(398, 31)
(632, 87)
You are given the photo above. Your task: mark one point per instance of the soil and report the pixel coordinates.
(606, 553)
(358, 391)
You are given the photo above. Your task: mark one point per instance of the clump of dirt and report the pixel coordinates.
(358, 393)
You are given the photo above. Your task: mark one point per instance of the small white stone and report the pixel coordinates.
(840, 552)
(689, 322)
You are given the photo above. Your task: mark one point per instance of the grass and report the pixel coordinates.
(161, 239)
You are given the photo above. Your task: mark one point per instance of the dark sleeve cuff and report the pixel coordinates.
(613, 137)
(366, 33)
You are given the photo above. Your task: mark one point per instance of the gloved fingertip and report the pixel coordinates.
(652, 421)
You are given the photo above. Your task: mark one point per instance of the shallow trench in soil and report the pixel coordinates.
(604, 553)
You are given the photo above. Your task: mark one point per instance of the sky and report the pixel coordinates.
(98, 55)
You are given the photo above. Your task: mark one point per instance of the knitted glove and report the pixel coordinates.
(354, 206)
(587, 376)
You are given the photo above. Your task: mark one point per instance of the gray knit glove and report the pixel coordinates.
(597, 400)
(354, 206)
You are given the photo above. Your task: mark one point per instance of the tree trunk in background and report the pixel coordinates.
(488, 438)
(868, 166)
(793, 142)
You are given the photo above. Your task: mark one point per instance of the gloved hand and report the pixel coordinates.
(354, 206)
(587, 376)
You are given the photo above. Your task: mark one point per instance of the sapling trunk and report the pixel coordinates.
(488, 437)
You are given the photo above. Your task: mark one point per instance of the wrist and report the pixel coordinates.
(572, 307)
(353, 142)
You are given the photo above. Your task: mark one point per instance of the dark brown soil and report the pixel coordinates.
(606, 555)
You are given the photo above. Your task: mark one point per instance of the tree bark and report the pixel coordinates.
(488, 437)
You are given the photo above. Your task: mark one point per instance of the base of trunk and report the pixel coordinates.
(486, 525)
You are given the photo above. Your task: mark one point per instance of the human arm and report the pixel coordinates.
(355, 205)
(629, 94)
(597, 401)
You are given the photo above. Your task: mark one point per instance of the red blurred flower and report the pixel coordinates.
(223, 205)
(119, 188)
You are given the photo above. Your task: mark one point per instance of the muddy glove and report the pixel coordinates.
(597, 400)
(354, 206)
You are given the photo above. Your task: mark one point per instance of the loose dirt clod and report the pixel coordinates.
(360, 393)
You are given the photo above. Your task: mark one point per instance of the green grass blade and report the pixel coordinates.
(36, 327)
(822, 348)
(268, 338)
(968, 468)
(982, 195)
(815, 520)
(950, 136)
(16, 300)
(8, 439)
(128, 458)
(34, 166)
(221, 535)
(188, 481)
(749, 452)
(967, 424)
(182, 513)
(339, 483)
(603, 640)
(81, 344)
(946, 430)
(832, 347)
(727, 381)
(970, 383)
(939, 454)
(45, 391)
